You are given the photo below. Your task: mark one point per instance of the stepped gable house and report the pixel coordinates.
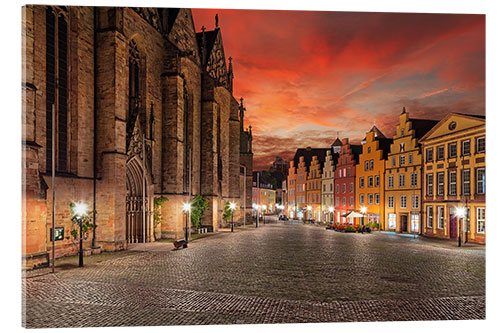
(137, 94)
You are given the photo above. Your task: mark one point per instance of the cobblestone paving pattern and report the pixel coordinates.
(274, 274)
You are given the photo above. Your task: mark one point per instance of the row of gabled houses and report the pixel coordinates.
(428, 179)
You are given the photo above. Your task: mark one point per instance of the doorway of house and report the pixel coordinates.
(403, 222)
(453, 226)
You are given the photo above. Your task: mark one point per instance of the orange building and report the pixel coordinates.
(291, 202)
(301, 188)
(370, 176)
(313, 190)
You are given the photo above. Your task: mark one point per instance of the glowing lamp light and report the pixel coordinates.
(264, 207)
(330, 209)
(80, 209)
(460, 212)
(363, 210)
(232, 205)
(309, 207)
(186, 207)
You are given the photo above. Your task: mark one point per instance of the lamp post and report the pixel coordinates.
(363, 210)
(232, 206)
(186, 207)
(79, 211)
(460, 214)
(258, 213)
(264, 207)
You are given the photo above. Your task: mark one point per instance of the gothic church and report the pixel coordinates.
(137, 105)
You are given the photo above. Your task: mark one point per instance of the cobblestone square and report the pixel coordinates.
(278, 273)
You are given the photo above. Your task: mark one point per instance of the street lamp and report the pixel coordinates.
(460, 213)
(264, 207)
(186, 207)
(363, 210)
(80, 210)
(232, 206)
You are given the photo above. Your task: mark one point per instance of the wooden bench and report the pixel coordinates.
(180, 243)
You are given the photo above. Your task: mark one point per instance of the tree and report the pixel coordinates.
(198, 206)
(157, 203)
(227, 212)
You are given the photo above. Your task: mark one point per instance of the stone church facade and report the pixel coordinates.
(143, 108)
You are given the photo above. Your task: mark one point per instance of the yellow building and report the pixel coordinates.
(313, 193)
(455, 178)
(370, 177)
(403, 170)
(301, 188)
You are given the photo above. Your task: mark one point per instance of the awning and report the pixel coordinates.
(352, 214)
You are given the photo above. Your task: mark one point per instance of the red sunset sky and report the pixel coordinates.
(305, 76)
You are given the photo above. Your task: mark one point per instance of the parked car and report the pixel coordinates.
(282, 217)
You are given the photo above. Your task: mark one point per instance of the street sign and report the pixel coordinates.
(59, 233)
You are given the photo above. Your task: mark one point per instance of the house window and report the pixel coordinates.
(410, 158)
(480, 181)
(403, 201)
(361, 182)
(481, 219)
(415, 201)
(440, 183)
(370, 199)
(366, 165)
(394, 162)
(324, 187)
(337, 188)
(429, 216)
(331, 187)
(371, 164)
(401, 180)
(351, 201)
(452, 182)
(343, 188)
(390, 182)
(390, 201)
(343, 201)
(429, 154)
(403, 133)
(440, 153)
(351, 187)
(413, 179)
(480, 145)
(430, 184)
(337, 200)
(377, 181)
(344, 172)
(369, 150)
(361, 199)
(466, 182)
(391, 223)
(440, 217)
(401, 160)
(377, 199)
(465, 147)
(452, 150)
(370, 181)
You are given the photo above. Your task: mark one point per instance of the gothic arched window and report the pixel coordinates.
(134, 93)
(56, 75)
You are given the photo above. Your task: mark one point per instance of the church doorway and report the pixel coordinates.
(139, 220)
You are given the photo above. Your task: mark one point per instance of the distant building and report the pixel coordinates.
(263, 194)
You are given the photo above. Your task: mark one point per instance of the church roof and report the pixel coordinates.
(337, 143)
(210, 37)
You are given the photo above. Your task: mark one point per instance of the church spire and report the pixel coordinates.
(230, 75)
(203, 46)
(404, 110)
(242, 114)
